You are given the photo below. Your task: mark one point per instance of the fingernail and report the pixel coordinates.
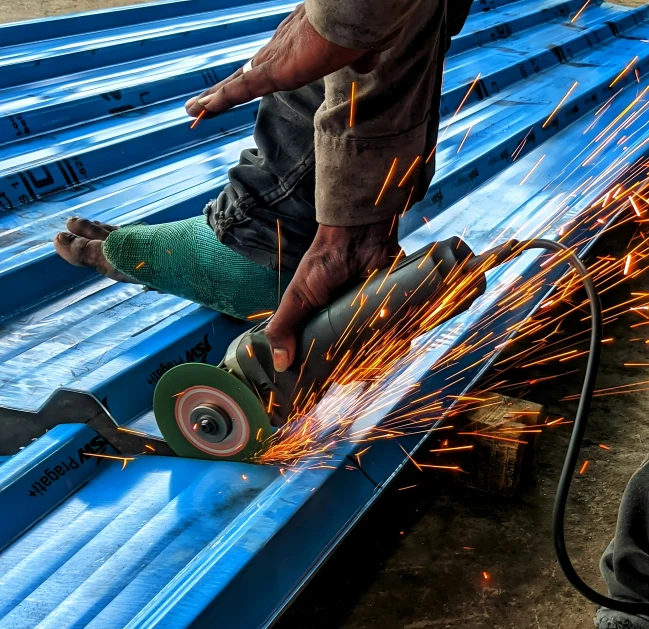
(280, 360)
(65, 238)
(205, 100)
(190, 102)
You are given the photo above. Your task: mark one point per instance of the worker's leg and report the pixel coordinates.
(270, 190)
(273, 183)
(183, 258)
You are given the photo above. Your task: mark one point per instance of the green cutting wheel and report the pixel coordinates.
(205, 412)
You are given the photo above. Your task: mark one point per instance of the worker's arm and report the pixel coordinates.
(392, 51)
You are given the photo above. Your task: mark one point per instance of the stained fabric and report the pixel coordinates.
(186, 259)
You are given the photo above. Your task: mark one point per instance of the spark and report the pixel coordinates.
(271, 403)
(466, 135)
(604, 447)
(168, 251)
(124, 459)
(259, 433)
(409, 171)
(417, 465)
(457, 111)
(485, 576)
(455, 449)
(139, 265)
(260, 315)
(531, 171)
(519, 148)
(279, 264)
(405, 207)
(244, 477)
(635, 207)
(453, 468)
(626, 69)
(198, 118)
(408, 487)
(149, 447)
(352, 105)
(584, 467)
(637, 75)
(130, 431)
(580, 12)
(627, 264)
(483, 435)
(249, 351)
(561, 102)
(387, 181)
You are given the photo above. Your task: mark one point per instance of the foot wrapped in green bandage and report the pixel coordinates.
(185, 258)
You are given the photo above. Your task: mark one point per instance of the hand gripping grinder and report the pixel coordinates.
(227, 412)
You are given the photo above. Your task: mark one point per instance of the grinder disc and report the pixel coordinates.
(236, 424)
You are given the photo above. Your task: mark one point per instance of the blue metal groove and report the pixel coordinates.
(180, 543)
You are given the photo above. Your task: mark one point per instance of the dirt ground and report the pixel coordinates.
(406, 565)
(11, 11)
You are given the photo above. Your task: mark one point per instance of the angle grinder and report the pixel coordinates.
(227, 412)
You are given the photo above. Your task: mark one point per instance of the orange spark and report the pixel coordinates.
(485, 576)
(139, 265)
(584, 467)
(626, 69)
(386, 183)
(466, 135)
(124, 459)
(531, 171)
(483, 435)
(409, 171)
(455, 449)
(352, 105)
(198, 119)
(453, 468)
(408, 487)
(261, 315)
(603, 447)
(249, 351)
(279, 264)
(405, 207)
(627, 264)
(580, 12)
(258, 435)
(561, 102)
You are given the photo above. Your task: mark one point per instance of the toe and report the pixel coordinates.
(92, 230)
(67, 246)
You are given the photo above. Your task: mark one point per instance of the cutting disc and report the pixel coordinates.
(185, 388)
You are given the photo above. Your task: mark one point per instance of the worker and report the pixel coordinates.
(346, 133)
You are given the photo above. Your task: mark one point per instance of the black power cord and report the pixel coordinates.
(577, 437)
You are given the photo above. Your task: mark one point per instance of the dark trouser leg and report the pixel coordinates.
(274, 182)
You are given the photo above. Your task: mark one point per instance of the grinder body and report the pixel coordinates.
(245, 386)
(347, 324)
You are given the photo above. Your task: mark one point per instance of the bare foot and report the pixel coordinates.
(84, 247)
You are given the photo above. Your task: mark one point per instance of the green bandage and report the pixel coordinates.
(186, 259)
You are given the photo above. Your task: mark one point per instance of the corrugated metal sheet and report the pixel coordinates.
(92, 124)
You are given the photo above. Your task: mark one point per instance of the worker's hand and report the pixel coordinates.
(295, 56)
(338, 257)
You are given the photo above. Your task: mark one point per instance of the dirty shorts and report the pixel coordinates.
(274, 182)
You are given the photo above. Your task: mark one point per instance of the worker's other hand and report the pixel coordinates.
(338, 257)
(295, 56)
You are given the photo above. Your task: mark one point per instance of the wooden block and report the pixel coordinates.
(496, 465)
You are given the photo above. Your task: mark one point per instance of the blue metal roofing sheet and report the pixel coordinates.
(179, 543)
